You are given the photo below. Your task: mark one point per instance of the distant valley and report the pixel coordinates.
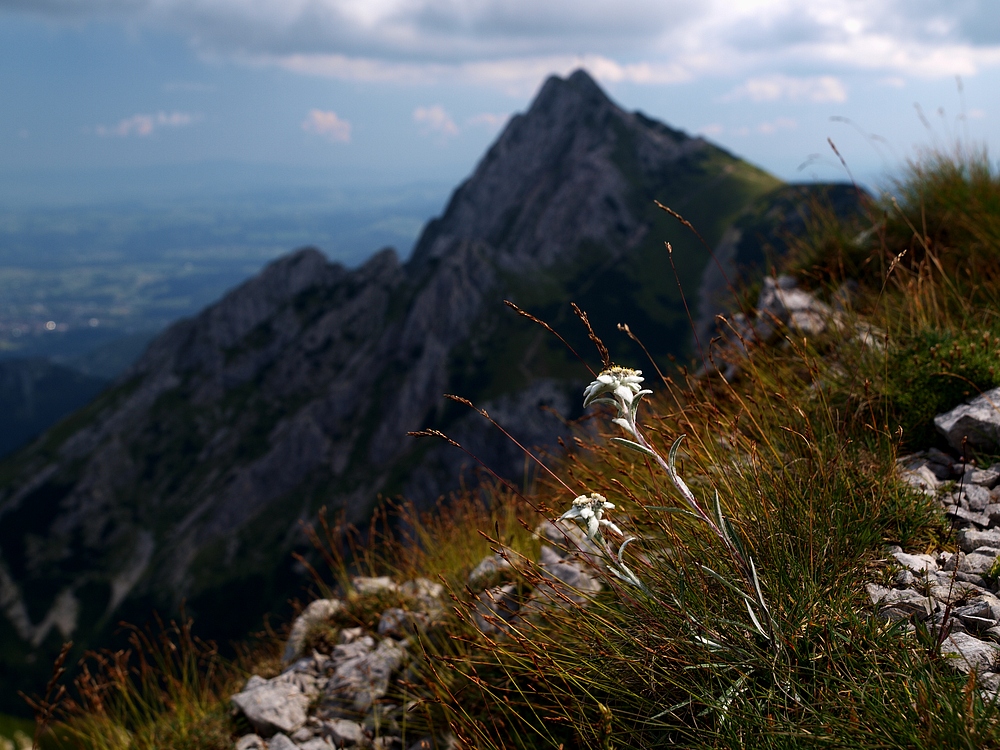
(84, 288)
(75, 277)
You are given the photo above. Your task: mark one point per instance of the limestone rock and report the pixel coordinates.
(973, 497)
(921, 478)
(495, 607)
(567, 537)
(876, 593)
(401, 623)
(981, 561)
(488, 573)
(950, 561)
(992, 512)
(272, 705)
(363, 677)
(782, 302)
(978, 421)
(344, 733)
(905, 603)
(987, 478)
(317, 743)
(366, 585)
(979, 615)
(952, 590)
(569, 570)
(303, 734)
(317, 612)
(916, 563)
(426, 593)
(281, 742)
(970, 540)
(964, 518)
(251, 742)
(970, 653)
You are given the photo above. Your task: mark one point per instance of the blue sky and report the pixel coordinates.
(388, 92)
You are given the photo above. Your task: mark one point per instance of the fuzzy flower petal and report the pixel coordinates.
(620, 382)
(588, 510)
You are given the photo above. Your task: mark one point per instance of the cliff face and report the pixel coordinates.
(188, 478)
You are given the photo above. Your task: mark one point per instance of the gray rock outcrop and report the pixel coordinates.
(272, 705)
(349, 697)
(977, 421)
(953, 594)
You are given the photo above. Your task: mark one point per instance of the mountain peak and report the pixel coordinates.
(572, 163)
(577, 90)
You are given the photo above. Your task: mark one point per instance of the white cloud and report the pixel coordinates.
(489, 119)
(780, 123)
(896, 82)
(712, 129)
(774, 87)
(435, 120)
(143, 125)
(512, 44)
(328, 124)
(516, 76)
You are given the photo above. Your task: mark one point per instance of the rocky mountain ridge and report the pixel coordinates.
(186, 481)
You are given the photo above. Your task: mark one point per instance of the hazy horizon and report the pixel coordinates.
(392, 93)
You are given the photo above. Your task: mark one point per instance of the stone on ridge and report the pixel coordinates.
(568, 536)
(970, 540)
(916, 563)
(970, 653)
(921, 478)
(496, 607)
(281, 742)
(987, 478)
(367, 585)
(362, 679)
(978, 421)
(344, 733)
(973, 497)
(488, 573)
(272, 705)
(317, 612)
(317, 743)
(981, 561)
(251, 742)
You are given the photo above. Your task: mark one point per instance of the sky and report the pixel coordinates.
(114, 97)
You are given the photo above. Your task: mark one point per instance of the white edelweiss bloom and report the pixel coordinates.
(589, 510)
(620, 387)
(622, 382)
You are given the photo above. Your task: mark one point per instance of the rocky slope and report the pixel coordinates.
(186, 481)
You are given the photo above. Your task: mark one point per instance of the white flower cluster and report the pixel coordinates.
(619, 387)
(589, 511)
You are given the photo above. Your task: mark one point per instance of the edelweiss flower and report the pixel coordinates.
(618, 386)
(589, 511)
